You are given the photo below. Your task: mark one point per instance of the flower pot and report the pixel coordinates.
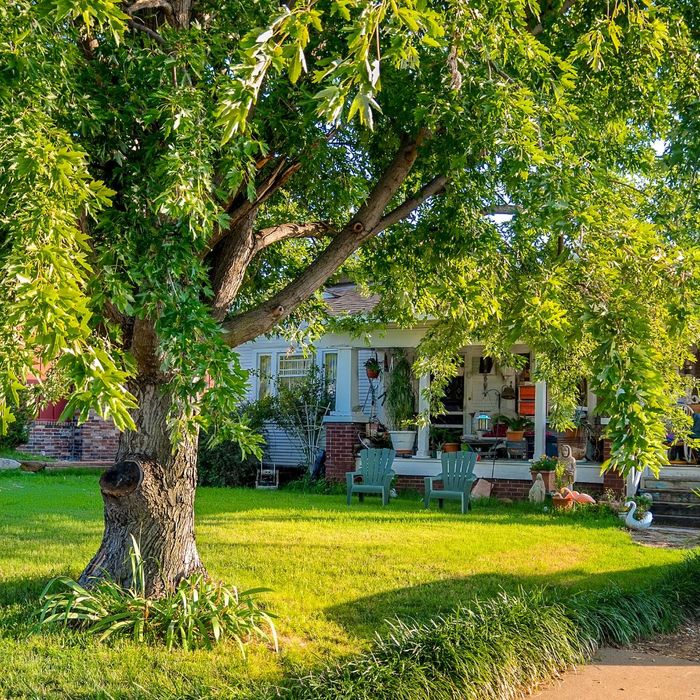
(562, 503)
(450, 447)
(515, 435)
(402, 441)
(547, 477)
(372, 373)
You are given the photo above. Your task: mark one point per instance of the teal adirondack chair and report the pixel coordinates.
(457, 478)
(375, 472)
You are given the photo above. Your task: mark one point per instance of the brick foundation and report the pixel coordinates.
(53, 439)
(342, 445)
(616, 482)
(100, 440)
(94, 441)
(502, 488)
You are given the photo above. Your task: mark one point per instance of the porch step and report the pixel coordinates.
(679, 496)
(672, 484)
(676, 508)
(685, 521)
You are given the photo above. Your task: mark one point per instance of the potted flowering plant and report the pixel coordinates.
(372, 368)
(547, 467)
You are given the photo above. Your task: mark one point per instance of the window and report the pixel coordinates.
(290, 368)
(264, 375)
(330, 374)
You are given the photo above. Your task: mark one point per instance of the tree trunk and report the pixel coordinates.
(149, 494)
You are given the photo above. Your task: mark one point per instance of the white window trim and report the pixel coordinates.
(256, 389)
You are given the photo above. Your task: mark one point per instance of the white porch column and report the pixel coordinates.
(347, 395)
(540, 418)
(423, 448)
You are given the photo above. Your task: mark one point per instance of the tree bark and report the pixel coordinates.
(149, 494)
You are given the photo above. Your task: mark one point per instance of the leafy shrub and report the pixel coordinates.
(17, 431)
(224, 464)
(199, 613)
(496, 649)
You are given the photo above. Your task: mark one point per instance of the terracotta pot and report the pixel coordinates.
(515, 435)
(372, 373)
(561, 503)
(547, 477)
(450, 447)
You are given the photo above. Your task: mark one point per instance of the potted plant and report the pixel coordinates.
(444, 439)
(547, 467)
(517, 426)
(450, 446)
(372, 368)
(399, 403)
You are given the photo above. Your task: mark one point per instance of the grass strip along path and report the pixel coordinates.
(338, 575)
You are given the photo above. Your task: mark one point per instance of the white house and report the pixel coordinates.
(482, 390)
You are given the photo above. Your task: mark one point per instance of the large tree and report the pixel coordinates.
(178, 177)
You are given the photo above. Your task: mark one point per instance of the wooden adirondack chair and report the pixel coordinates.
(375, 472)
(457, 478)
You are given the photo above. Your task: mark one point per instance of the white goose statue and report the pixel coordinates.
(633, 523)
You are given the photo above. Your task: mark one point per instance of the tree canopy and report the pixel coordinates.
(178, 177)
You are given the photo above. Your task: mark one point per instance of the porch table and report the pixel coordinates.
(482, 445)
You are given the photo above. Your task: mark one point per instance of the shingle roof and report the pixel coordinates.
(346, 299)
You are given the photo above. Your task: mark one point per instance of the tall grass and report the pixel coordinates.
(199, 613)
(496, 649)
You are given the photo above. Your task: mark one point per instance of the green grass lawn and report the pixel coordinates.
(19, 456)
(337, 574)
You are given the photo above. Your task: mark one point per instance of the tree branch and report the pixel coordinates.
(314, 229)
(150, 5)
(273, 182)
(362, 226)
(146, 30)
(435, 186)
(502, 209)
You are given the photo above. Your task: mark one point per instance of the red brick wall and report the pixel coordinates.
(100, 440)
(613, 480)
(342, 444)
(94, 441)
(52, 439)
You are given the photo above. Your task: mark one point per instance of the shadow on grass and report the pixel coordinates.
(367, 616)
(20, 604)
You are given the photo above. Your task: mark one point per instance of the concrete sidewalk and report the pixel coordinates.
(628, 673)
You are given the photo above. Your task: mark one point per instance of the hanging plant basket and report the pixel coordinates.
(372, 368)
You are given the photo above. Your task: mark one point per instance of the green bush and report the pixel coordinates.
(496, 649)
(17, 431)
(223, 464)
(199, 613)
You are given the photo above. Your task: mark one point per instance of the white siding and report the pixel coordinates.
(280, 448)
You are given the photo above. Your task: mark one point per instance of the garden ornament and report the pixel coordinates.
(537, 490)
(569, 462)
(632, 522)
